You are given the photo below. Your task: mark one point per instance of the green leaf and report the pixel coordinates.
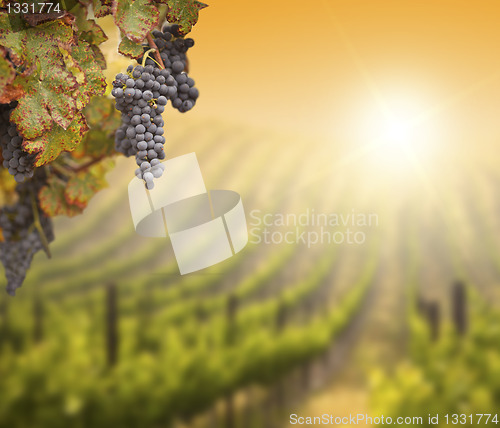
(51, 144)
(53, 200)
(85, 184)
(88, 29)
(99, 57)
(102, 8)
(102, 114)
(11, 39)
(129, 48)
(184, 13)
(103, 120)
(135, 18)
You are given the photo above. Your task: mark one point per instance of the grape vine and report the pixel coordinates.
(60, 131)
(142, 94)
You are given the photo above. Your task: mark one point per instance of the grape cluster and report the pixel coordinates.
(142, 94)
(19, 163)
(21, 240)
(173, 51)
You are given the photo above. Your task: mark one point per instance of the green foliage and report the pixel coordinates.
(184, 13)
(54, 69)
(453, 375)
(136, 19)
(50, 145)
(184, 370)
(130, 49)
(7, 73)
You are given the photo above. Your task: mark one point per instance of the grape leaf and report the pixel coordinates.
(135, 18)
(53, 201)
(102, 114)
(88, 29)
(51, 144)
(41, 105)
(103, 120)
(61, 74)
(184, 13)
(101, 8)
(85, 184)
(92, 81)
(47, 82)
(13, 40)
(8, 91)
(7, 72)
(129, 48)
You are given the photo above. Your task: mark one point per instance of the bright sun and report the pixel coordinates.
(398, 131)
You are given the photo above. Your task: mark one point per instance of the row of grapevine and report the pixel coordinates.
(453, 364)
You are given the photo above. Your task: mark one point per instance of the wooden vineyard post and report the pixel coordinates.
(434, 319)
(249, 411)
(231, 312)
(4, 313)
(421, 305)
(37, 319)
(459, 307)
(112, 339)
(281, 319)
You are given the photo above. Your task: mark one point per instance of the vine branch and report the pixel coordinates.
(38, 225)
(152, 45)
(88, 164)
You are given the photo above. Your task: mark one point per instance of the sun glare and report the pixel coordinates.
(398, 131)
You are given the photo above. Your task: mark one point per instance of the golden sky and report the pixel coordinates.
(328, 67)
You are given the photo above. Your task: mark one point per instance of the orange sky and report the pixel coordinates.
(319, 66)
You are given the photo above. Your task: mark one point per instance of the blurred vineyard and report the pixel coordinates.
(108, 334)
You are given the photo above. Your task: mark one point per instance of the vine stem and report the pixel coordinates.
(38, 225)
(152, 45)
(68, 169)
(88, 164)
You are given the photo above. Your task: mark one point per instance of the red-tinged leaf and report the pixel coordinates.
(184, 13)
(92, 81)
(85, 184)
(61, 76)
(53, 201)
(41, 106)
(11, 93)
(48, 84)
(101, 8)
(130, 49)
(51, 144)
(135, 18)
